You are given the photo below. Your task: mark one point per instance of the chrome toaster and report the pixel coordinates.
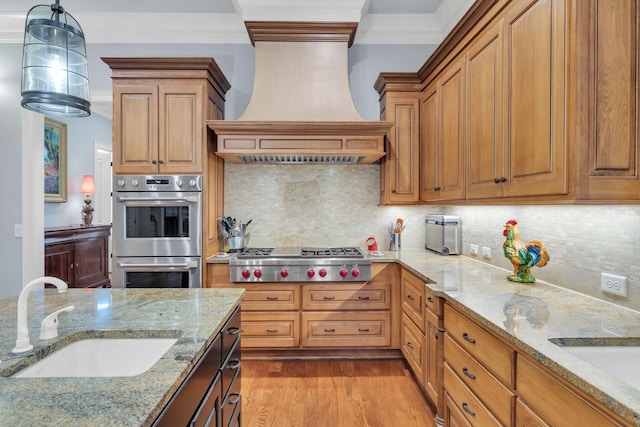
(443, 234)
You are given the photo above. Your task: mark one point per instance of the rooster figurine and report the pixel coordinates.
(522, 256)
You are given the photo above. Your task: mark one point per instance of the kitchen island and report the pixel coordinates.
(193, 316)
(529, 316)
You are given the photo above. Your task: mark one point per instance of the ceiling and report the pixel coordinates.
(222, 21)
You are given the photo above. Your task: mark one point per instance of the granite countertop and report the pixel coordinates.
(528, 315)
(194, 316)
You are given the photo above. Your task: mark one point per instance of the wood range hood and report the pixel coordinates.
(301, 110)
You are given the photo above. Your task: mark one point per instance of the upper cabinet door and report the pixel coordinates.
(429, 142)
(135, 128)
(608, 159)
(484, 112)
(534, 98)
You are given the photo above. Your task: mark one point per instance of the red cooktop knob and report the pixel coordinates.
(344, 273)
(284, 273)
(257, 273)
(310, 272)
(322, 272)
(355, 272)
(246, 274)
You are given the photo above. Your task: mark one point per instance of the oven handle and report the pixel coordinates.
(188, 199)
(146, 266)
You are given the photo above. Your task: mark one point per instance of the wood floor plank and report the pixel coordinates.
(331, 393)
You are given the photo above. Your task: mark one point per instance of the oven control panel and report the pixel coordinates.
(144, 183)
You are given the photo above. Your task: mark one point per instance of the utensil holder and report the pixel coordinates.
(394, 241)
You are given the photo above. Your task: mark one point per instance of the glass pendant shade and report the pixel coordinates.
(54, 63)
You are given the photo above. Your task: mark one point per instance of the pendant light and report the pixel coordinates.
(54, 63)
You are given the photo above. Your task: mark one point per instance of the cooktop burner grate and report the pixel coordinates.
(255, 253)
(331, 253)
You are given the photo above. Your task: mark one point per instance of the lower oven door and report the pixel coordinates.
(157, 272)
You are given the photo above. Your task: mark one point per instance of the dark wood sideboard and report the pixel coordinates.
(78, 255)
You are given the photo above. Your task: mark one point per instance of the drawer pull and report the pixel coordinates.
(467, 410)
(466, 372)
(410, 345)
(272, 298)
(466, 338)
(329, 330)
(233, 330)
(329, 298)
(236, 400)
(272, 330)
(410, 297)
(363, 298)
(363, 329)
(430, 299)
(233, 364)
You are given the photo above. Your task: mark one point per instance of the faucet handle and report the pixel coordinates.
(49, 325)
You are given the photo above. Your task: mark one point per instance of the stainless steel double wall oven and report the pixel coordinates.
(157, 231)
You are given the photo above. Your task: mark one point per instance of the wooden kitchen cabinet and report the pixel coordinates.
(158, 127)
(442, 136)
(400, 168)
(78, 255)
(160, 109)
(607, 65)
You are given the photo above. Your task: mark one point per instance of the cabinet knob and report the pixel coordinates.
(154, 162)
(496, 180)
(161, 161)
(393, 191)
(503, 179)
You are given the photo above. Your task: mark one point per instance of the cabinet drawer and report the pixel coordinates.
(452, 415)
(553, 400)
(525, 417)
(432, 302)
(231, 332)
(327, 329)
(472, 409)
(274, 329)
(271, 297)
(346, 297)
(485, 348)
(413, 345)
(413, 305)
(493, 394)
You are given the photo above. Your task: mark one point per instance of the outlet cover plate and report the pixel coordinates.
(614, 284)
(486, 252)
(473, 249)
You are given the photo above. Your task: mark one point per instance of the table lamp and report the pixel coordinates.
(88, 188)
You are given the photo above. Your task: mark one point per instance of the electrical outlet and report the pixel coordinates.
(473, 249)
(17, 230)
(486, 252)
(613, 284)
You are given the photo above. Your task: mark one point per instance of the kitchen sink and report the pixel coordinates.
(100, 357)
(617, 357)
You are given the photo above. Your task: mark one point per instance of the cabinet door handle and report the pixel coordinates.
(393, 191)
(465, 371)
(161, 161)
(154, 162)
(363, 298)
(71, 266)
(272, 298)
(272, 330)
(430, 299)
(329, 330)
(410, 297)
(363, 329)
(233, 330)
(410, 345)
(468, 339)
(467, 410)
(329, 298)
(77, 264)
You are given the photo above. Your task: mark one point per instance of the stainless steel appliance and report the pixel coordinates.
(300, 264)
(157, 226)
(443, 234)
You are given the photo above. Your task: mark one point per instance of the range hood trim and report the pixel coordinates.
(239, 139)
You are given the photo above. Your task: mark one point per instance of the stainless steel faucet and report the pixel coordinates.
(22, 341)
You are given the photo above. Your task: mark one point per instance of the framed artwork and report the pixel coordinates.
(55, 161)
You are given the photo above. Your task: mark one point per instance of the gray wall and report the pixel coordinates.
(236, 62)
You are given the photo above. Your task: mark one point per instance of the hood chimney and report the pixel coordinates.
(301, 109)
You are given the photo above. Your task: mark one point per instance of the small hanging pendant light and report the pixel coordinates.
(54, 63)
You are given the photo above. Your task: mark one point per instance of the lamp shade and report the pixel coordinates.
(54, 63)
(88, 186)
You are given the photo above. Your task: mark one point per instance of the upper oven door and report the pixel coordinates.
(157, 224)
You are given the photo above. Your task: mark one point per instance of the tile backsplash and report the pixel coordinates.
(337, 205)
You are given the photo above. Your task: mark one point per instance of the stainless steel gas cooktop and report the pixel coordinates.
(300, 264)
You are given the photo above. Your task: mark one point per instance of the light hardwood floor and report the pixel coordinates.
(331, 393)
